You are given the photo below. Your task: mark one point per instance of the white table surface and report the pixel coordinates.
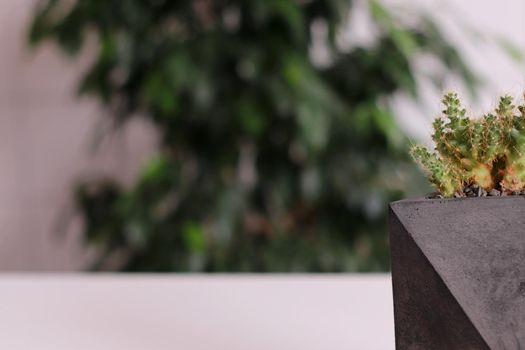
(216, 312)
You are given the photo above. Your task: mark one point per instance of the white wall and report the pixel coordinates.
(45, 131)
(45, 137)
(500, 74)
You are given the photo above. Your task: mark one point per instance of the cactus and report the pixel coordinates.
(488, 152)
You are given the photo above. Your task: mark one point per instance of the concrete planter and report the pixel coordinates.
(458, 273)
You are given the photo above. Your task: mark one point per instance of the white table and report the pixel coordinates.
(216, 312)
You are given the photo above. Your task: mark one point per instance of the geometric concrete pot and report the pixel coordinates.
(458, 273)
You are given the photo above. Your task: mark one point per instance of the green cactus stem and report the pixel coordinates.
(487, 151)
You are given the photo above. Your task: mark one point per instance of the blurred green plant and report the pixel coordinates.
(269, 160)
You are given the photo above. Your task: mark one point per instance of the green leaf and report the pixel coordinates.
(511, 49)
(155, 168)
(314, 126)
(193, 237)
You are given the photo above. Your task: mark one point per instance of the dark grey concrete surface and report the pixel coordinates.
(458, 273)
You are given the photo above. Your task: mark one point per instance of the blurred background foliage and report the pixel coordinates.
(269, 159)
